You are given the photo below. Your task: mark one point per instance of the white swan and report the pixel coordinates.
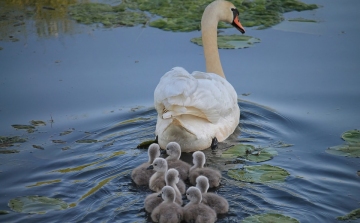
(197, 110)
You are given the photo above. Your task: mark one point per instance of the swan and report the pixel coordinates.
(200, 109)
(168, 211)
(171, 179)
(140, 175)
(219, 204)
(157, 180)
(198, 169)
(173, 150)
(195, 211)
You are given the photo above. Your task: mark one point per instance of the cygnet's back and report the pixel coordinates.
(219, 204)
(173, 150)
(168, 211)
(140, 175)
(157, 180)
(198, 169)
(195, 211)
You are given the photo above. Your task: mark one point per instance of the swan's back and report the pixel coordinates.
(199, 107)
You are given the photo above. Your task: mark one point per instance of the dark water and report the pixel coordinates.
(303, 81)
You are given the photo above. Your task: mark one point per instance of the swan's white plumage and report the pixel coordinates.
(202, 104)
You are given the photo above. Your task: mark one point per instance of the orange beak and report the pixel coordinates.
(237, 24)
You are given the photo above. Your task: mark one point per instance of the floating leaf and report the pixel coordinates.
(66, 132)
(2, 212)
(58, 141)
(249, 152)
(38, 147)
(146, 144)
(8, 151)
(268, 218)
(259, 174)
(86, 141)
(36, 204)
(45, 183)
(231, 41)
(37, 123)
(353, 215)
(29, 128)
(350, 150)
(9, 141)
(352, 136)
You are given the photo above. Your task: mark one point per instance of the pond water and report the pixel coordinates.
(93, 87)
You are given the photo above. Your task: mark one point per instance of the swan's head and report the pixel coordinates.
(159, 165)
(202, 183)
(173, 150)
(193, 194)
(226, 12)
(172, 176)
(153, 152)
(168, 194)
(198, 159)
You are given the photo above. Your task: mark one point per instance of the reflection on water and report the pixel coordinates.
(44, 17)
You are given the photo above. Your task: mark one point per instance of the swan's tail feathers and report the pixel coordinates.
(177, 110)
(176, 122)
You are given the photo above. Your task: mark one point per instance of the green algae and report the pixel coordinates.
(353, 215)
(259, 174)
(249, 152)
(269, 218)
(36, 204)
(231, 41)
(351, 147)
(109, 16)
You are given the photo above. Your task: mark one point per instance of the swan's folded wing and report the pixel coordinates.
(204, 95)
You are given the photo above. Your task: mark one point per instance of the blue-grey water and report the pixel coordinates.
(302, 86)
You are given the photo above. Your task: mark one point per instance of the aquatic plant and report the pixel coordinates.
(351, 148)
(249, 152)
(34, 204)
(259, 174)
(353, 215)
(231, 41)
(269, 217)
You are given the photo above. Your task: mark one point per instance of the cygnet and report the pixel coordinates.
(219, 204)
(198, 169)
(168, 211)
(140, 175)
(195, 211)
(173, 150)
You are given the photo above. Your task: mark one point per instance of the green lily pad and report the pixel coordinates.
(66, 132)
(249, 152)
(89, 13)
(146, 144)
(259, 174)
(8, 151)
(37, 123)
(231, 41)
(353, 215)
(36, 204)
(86, 141)
(29, 128)
(268, 218)
(9, 141)
(350, 150)
(352, 136)
(2, 212)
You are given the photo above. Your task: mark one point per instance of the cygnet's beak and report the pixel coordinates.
(150, 167)
(159, 195)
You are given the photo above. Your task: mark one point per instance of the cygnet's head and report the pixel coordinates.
(193, 194)
(172, 176)
(198, 159)
(159, 165)
(167, 194)
(173, 150)
(202, 183)
(153, 152)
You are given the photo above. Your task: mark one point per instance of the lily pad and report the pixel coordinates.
(38, 147)
(352, 136)
(259, 174)
(58, 141)
(86, 141)
(268, 218)
(146, 144)
(349, 150)
(66, 132)
(37, 123)
(249, 152)
(2, 212)
(29, 128)
(8, 151)
(353, 215)
(231, 41)
(36, 204)
(9, 141)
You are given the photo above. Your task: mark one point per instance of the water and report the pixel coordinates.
(303, 81)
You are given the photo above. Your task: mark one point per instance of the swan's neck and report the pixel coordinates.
(209, 23)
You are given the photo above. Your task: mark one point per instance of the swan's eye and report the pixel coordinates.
(155, 164)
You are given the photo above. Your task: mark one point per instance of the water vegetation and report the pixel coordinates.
(45, 183)
(231, 41)
(145, 144)
(8, 141)
(249, 152)
(351, 147)
(34, 204)
(300, 19)
(269, 217)
(259, 174)
(353, 215)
